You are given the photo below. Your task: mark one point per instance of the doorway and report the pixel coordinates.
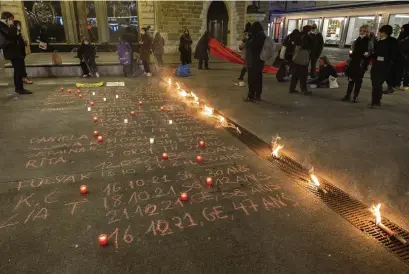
(218, 21)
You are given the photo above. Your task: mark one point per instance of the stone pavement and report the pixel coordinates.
(253, 220)
(363, 151)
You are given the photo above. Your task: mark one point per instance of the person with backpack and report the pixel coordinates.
(86, 53)
(185, 48)
(202, 51)
(358, 64)
(145, 50)
(12, 50)
(301, 59)
(317, 45)
(255, 63)
(242, 47)
(158, 47)
(286, 55)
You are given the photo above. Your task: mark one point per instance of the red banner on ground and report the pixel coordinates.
(219, 50)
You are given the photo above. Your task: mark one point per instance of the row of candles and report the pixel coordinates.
(275, 149)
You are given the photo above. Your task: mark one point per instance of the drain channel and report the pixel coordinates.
(354, 211)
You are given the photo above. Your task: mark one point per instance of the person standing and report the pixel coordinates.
(12, 50)
(23, 45)
(287, 54)
(403, 41)
(242, 47)
(382, 59)
(202, 50)
(254, 63)
(301, 60)
(145, 50)
(159, 48)
(316, 48)
(132, 40)
(185, 48)
(358, 64)
(392, 80)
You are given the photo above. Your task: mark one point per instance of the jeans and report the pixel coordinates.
(18, 66)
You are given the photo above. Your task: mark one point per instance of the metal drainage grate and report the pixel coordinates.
(354, 211)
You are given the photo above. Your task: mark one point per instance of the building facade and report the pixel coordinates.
(68, 22)
(338, 21)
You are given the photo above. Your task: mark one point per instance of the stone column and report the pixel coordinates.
(82, 20)
(146, 14)
(102, 21)
(68, 17)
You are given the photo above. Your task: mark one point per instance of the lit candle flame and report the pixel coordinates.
(314, 179)
(170, 81)
(276, 150)
(182, 93)
(208, 111)
(221, 119)
(376, 211)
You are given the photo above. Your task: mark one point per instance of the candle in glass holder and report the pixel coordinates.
(151, 141)
(165, 156)
(100, 139)
(117, 96)
(140, 102)
(93, 93)
(83, 189)
(199, 158)
(209, 181)
(78, 91)
(170, 122)
(96, 133)
(103, 239)
(183, 196)
(202, 144)
(80, 95)
(125, 121)
(61, 89)
(162, 108)
(91, 103)
(89, 108)
(95, 119)
(105, 99)
(132, 113)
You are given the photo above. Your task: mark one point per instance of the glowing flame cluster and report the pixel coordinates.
(377, 212)
(182, 93)
(314, 179)
(275, 147)
(208, 111)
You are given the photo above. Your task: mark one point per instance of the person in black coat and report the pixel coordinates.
(393, 81)
(325, 71)
(202, 50)
(86, 53)
(358, 64)
(286, 62)
(383, 57)
(316, 48)
(185, 48)
(254, 64)
(403, 41)
(12, 50)
(300, 71)
(22, 43)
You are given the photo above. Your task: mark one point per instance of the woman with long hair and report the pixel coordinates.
(202, 50)
(358, 64)
(185, 48)
(242, 47)
(326, 70)
(158, 48)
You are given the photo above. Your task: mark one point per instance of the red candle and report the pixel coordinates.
(199, 158)
(96, 133)
(80, 96)
(140, 102)
(100, 139)
(183, 196)
(69, 91)
(83, 189)
(91, 103)
(132, 113)
(103, 239)
(165, 156)
(78, 91)
(202, 144)
(61, 89)
(95, 119)
(209, 181)
(162, 108)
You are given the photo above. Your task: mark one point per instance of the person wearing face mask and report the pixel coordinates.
(86, 53)
(403, 41)
(12, 50)
(358, 64)
(383, 57)
(185, 48)
(317, 45)
(22, 43)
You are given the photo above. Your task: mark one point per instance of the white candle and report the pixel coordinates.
(170, 122)
(125, 121)
(105, 99)
(151, 140)
(89, 108)
(117, 96)
(93, 93)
